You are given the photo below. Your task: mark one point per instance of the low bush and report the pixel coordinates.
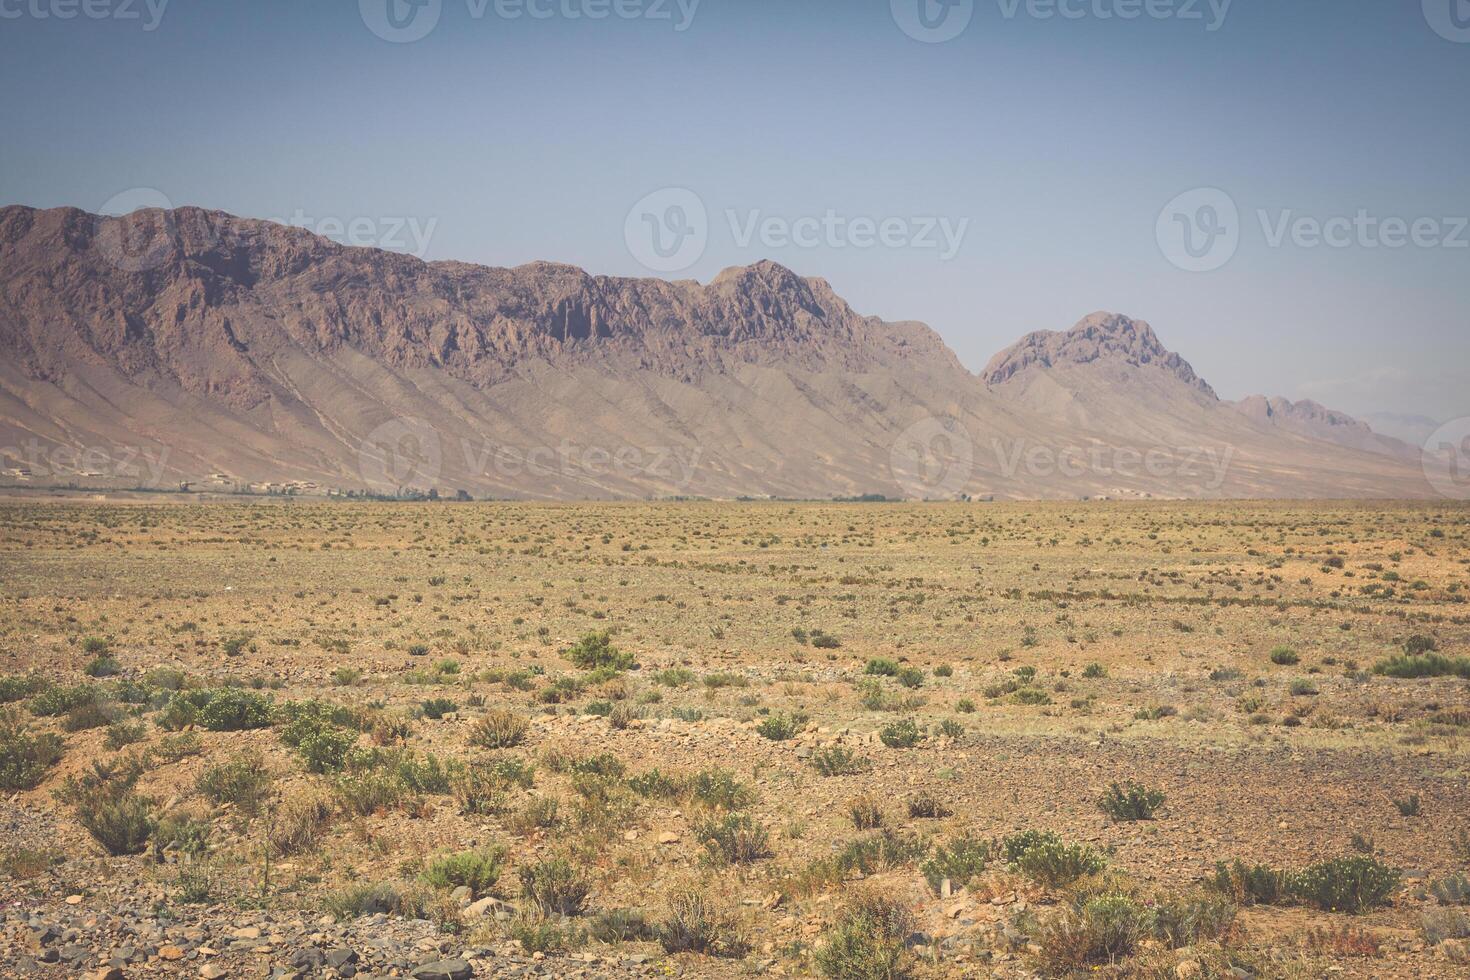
(1249, 884)
(867, 940)
(734, 838)
(243, 782)
(1053, 863)
(24, 757)
(1285, 657)
(499, 730)
(1411, 665)
(695, 923)
(900, 734)
(120, 821)
(720, 788)
(1351, 884)
(780, 727)
(925, 806)
(18, 687)
(1133, 802)
(231, 709)
(865, 812)
(596, 650)
(881, 667)
(555, 886)
(960, 862)
(476, 870)
(1103, 929)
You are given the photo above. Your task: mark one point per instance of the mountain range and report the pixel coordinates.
(193, 346)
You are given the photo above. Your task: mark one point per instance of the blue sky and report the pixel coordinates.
(1050, 147)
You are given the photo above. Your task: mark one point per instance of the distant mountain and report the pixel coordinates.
(222, 351)
(1311, 419)
(1412, 429)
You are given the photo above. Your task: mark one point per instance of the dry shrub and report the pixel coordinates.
(299, 823)
(499, 730)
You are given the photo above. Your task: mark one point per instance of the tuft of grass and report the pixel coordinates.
(901, 734)
(499, 730)
(696, 923)
(839, 761)
(734, 838)
(477, 870)
(867, 940)
(1411, 665)
(555, 886)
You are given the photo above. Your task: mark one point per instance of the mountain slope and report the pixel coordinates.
(197, 343)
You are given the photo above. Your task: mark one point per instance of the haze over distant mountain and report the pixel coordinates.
(222, 350)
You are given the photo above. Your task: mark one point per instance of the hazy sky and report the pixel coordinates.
(1046, 144)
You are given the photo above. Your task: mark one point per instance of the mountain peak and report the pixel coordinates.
(1098, 337)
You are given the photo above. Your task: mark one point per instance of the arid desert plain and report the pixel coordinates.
(695, 739)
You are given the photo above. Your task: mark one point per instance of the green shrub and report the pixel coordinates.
(779, 727)
(121, 822)
(437, 708)
(105, 665)
(555, 886)
(734, 838)
(960, 861)
(879, 852)
(719, 788)
(17, 687)
(825, 641)
(911, 677)
(1423, 665)
(24, 758)
(1350, 884)
(368, 791)
(867, 940)
(1285, 657)
(243, 782)
(596, 650)
(325, 749)
(230, 709)
(382, 898)
(901, 734)
(123, 733)
(477, 870)
(91, 714)
(674, 677)
(696, 924)
(1052, 863)
(621, 926)
(655, 785)
(1247, 884)
(53, 701)
(838, 761)
(1094, 670)
(881, 667)
(949, 728)
(1131, 803)
(965, 706)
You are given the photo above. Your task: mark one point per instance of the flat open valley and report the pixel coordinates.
(715, 739)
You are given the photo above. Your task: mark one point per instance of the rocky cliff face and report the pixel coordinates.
(202, 299)
(1099, 338)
